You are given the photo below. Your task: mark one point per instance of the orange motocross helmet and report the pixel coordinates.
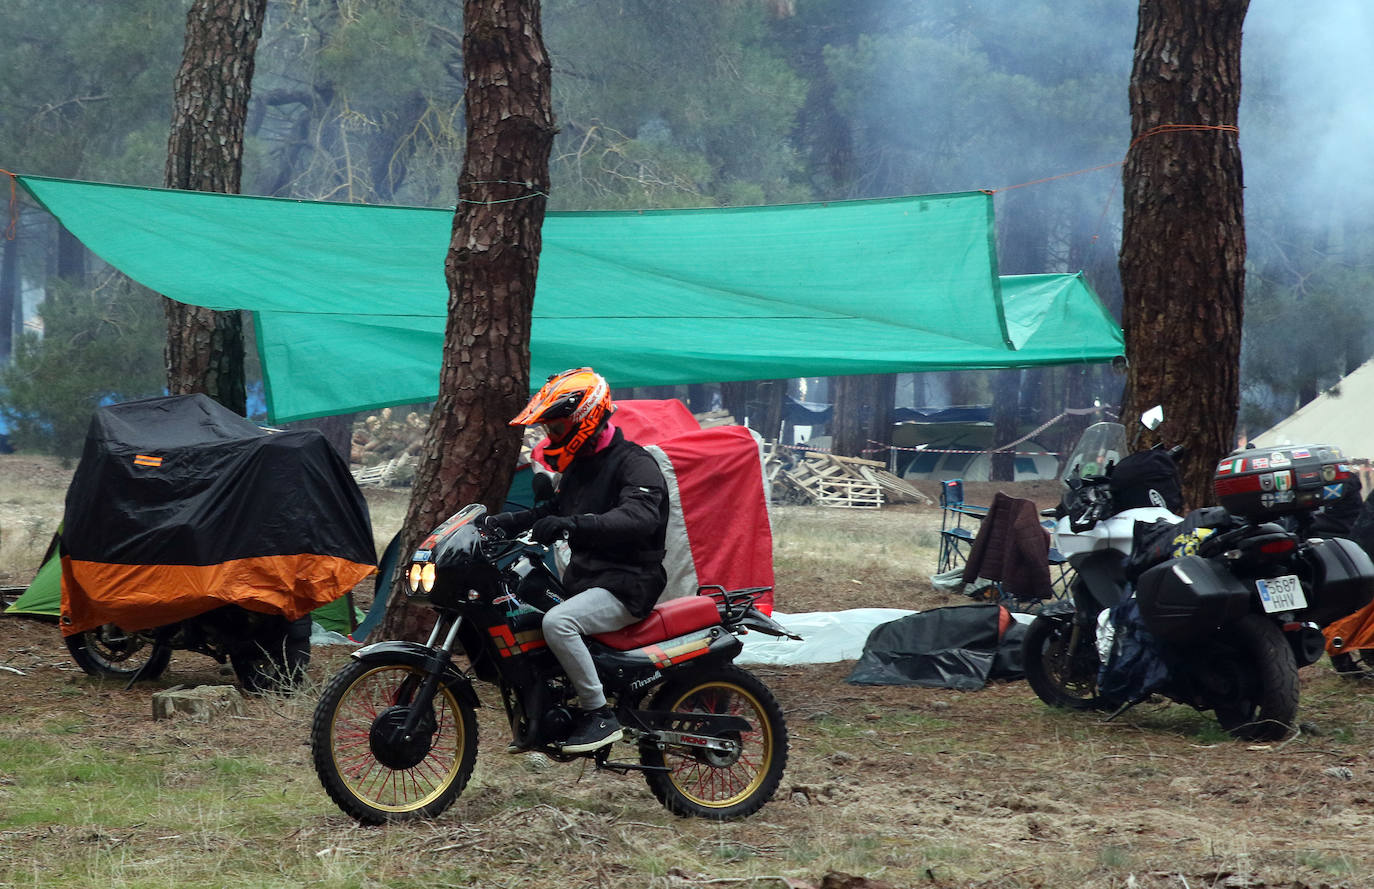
(573, 406)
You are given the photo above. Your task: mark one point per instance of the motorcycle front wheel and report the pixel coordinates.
(1060, 673)
(712, 784)
(367, 767)
(1264, 706)
(111, 653)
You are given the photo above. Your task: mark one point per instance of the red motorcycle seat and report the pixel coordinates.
(672, 618)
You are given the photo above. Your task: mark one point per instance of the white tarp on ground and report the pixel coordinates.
(827, 636)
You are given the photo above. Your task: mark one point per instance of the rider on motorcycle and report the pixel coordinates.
(612, 506)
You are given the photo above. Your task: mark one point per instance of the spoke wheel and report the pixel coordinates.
(111, 653)
(720, 784)
(365, 764)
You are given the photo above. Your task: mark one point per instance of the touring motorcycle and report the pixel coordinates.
(394, 736)
(1217, 609)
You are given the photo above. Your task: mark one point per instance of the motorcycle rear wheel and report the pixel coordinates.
(275, 660)
(1058, 676)
(375, 778)
(111, 653)
(1267, 706)
(734, 786)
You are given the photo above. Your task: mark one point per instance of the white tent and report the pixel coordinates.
(1340, 416)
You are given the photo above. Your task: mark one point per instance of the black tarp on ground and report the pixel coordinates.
(962, 646)
(179, 505)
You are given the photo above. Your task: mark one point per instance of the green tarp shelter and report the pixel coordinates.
(350, 303)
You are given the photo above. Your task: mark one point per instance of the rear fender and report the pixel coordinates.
(413, 654)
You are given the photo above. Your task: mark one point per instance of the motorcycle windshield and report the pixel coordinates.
(1099, 445)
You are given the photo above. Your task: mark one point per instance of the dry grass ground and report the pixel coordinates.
(903, 787)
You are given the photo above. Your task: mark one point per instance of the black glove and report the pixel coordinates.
(504, 522)
(552, 527)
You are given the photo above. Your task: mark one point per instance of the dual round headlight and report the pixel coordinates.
(421, 577)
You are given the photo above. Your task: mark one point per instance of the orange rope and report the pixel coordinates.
(12, 229)
(1154, 131)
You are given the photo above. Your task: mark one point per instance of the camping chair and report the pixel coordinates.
(1011, 550)
(1061, 572)
(955, 538)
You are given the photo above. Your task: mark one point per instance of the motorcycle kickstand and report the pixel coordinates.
(1124, 707)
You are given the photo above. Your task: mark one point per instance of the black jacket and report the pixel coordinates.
(621, 504)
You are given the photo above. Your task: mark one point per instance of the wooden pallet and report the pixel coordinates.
(384, 474)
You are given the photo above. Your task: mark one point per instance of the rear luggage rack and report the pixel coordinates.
(733, 604)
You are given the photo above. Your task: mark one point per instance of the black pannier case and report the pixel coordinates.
(1188, 597)
(1344, 573)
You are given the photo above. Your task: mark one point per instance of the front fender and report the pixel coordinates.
(413, 654)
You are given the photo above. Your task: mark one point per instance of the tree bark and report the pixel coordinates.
(1183, 241)
(470, 451)
(1006, 414)
(861, 423)
(10, 307)
(205, 153)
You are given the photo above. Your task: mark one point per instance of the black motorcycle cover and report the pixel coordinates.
(960, 646)
(180, 505)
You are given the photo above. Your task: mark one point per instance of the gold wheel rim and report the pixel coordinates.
(719, 787)
(383, 788)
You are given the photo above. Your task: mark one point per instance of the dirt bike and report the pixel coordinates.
(395, 736)
(268, 652)
(1220, 607)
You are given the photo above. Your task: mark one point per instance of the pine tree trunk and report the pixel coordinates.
(205, 153)
(10, 307)
(862, 417)
(1183, 242)
(470, 451)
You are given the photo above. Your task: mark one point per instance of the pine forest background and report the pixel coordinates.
(690, 103)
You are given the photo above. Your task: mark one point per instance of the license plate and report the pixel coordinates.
(1281, 594)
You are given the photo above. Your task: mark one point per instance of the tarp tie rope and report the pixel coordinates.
(524, 197)
(1153, 131)
(12, 227)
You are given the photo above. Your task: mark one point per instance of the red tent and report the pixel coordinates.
(718, 528)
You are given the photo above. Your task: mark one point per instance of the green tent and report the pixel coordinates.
(350, 303)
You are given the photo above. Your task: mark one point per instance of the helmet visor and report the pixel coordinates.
(558, 430)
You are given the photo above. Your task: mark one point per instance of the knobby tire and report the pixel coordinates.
(347, 763)
(695, 786)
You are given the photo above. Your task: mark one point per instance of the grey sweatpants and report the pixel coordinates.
(591, 611)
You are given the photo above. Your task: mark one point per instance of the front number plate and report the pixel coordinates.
(1281, 594)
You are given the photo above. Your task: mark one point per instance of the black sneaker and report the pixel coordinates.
(593, 730)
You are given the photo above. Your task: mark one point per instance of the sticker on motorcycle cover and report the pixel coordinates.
(1226, 467)
(1328, 473)
(1266, 481)
(1332, 492)
(1274, 498)
(1283, 481)
(1301, 454)
(1277, 459)
(1308, 479)
(1259, 463)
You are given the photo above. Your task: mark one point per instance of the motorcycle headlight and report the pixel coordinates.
(427, 577)
(413, 578)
